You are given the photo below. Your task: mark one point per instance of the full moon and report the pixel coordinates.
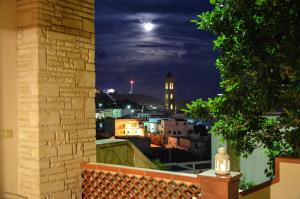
(148, 27)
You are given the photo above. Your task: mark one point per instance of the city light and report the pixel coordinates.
(128, 106)
(111, 90)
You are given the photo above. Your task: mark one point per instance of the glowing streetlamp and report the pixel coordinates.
(131, 86)
(222, 162)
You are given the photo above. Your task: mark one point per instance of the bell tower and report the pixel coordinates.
(170, 105)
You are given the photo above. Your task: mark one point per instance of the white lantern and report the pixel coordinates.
(222, 162)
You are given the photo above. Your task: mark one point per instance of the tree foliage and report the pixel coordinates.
(259, 64)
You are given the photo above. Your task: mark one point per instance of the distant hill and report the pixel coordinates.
(138, 98)
(117, 100)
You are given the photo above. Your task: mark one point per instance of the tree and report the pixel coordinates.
(259, 64)
(159, 164)
(199, 109)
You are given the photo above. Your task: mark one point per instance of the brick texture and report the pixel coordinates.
(56, 90)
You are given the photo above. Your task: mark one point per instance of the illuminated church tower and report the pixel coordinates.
(170, 105)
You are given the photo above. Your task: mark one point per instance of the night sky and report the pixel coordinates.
(125, 51)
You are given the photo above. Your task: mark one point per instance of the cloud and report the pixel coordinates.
(124, 51)
(154, 6)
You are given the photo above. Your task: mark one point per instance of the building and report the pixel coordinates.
(148, 115)
(174, 127)
(151, 125)
(129, 127)
(170, 105)
(200, 146)
(113, 113)
(172, 142)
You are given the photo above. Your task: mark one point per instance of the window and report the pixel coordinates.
(167, 96)
(171, 96)
(171, 107)
(167, 86)
(171, 86)
(169, 132)
(179, 132)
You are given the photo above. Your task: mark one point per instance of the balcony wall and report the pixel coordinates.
(121, 152)
(104, 181)
(285, 184)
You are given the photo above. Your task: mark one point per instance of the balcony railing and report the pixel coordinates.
(104, 181)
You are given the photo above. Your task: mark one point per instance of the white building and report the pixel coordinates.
(151, 125)
(113, 113)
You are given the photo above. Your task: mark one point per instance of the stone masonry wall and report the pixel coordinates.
(56, 101)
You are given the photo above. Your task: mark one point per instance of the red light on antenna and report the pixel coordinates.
(131, 82)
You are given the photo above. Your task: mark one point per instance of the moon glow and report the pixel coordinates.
(148, 27)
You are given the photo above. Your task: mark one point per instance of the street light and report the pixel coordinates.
(131, 87)
(128, 106)
(222, 162)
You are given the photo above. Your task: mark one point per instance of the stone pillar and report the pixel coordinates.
(56, 82)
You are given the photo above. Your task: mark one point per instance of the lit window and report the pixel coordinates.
(171, 107)
(171, 96)
(167, 96)
(167, 86)
(171, 86)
